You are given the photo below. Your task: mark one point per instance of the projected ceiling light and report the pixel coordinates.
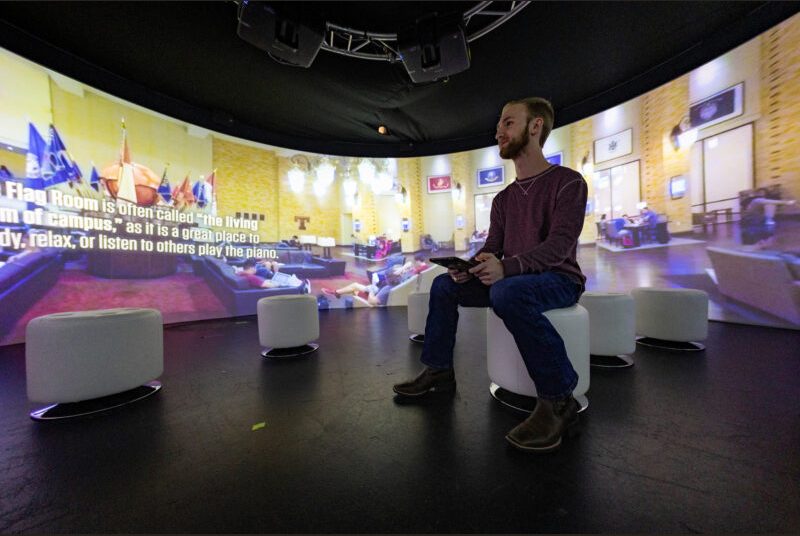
(384, 181)
(319, 188)
(326, 173)
(350, 187)
(383, 130)
(366, 171)
(297, 180)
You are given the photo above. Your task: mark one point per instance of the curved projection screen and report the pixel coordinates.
(105, 204)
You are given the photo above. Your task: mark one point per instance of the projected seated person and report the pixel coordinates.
(648, 220)
(429, 243)
(266, 268)
(278, 279)
(758, 221)
(375, 294)
(412, 267)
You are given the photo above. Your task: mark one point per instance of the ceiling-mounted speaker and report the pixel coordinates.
(284, 37)
(434, 47)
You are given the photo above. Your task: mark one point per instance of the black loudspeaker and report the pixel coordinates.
(285, 39)
(435, 47)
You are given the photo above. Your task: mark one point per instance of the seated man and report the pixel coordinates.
(248, 272)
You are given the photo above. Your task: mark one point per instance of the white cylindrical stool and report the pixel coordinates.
(417, 315)
(612, 328)
(287, 325)
(511, 383)
(91, 361)
(671, 318)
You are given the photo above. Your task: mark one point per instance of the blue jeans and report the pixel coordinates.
(519, 301)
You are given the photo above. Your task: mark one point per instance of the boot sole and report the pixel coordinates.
(446, 388)
(571, 430)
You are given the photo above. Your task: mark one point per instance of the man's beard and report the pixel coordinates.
(516, 145)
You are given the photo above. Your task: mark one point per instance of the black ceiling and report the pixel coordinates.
(184, 59)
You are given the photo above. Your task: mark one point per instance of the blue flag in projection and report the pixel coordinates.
(36, 148)
(55, 164)
(94, 181)
(164, 189)
(199, 192)
(77, 174)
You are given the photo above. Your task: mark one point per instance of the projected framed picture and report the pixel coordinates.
(493, 176)
(613, 146)
(718, 107)
(555, 158)
(440, 183)
(677, 187)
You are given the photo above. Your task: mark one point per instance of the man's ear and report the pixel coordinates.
(535, 126)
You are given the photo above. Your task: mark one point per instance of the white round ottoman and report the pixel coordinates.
(612, 328)
(418, 315)
(287, 324)
(91, 361)
(671, 318)
(511, 383)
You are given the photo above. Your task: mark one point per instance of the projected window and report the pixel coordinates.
(617, 190)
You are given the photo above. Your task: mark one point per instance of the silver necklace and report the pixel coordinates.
(533, 180)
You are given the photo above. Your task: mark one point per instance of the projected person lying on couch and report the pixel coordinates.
(375, 294)
(278, 279)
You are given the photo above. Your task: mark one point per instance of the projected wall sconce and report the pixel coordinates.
(405, 225)
(458, 192)
(682, 134)
(401, 196)
(587, 167)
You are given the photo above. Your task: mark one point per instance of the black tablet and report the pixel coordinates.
(454, 263)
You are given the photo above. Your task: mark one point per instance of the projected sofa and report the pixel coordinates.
(302, 264)
(769, 282)
(234, 291)
(24, 281)
(306, 266)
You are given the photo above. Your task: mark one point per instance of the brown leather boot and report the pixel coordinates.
(429, 380)
(542, 430)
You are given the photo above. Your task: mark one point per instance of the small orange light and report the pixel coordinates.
(383, 130)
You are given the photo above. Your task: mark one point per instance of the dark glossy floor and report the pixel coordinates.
(705, 442)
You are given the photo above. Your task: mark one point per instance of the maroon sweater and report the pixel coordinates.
(535, 223)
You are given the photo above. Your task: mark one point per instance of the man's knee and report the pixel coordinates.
(506, 297)
(443, 285)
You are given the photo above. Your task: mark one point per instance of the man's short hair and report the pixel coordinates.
(539, 107)
(249, 263)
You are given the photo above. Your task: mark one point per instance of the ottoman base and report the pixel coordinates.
(71, 410)
(418, 337)
(670, 345)
(611, 361)
(294, 351)
(526, 403)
